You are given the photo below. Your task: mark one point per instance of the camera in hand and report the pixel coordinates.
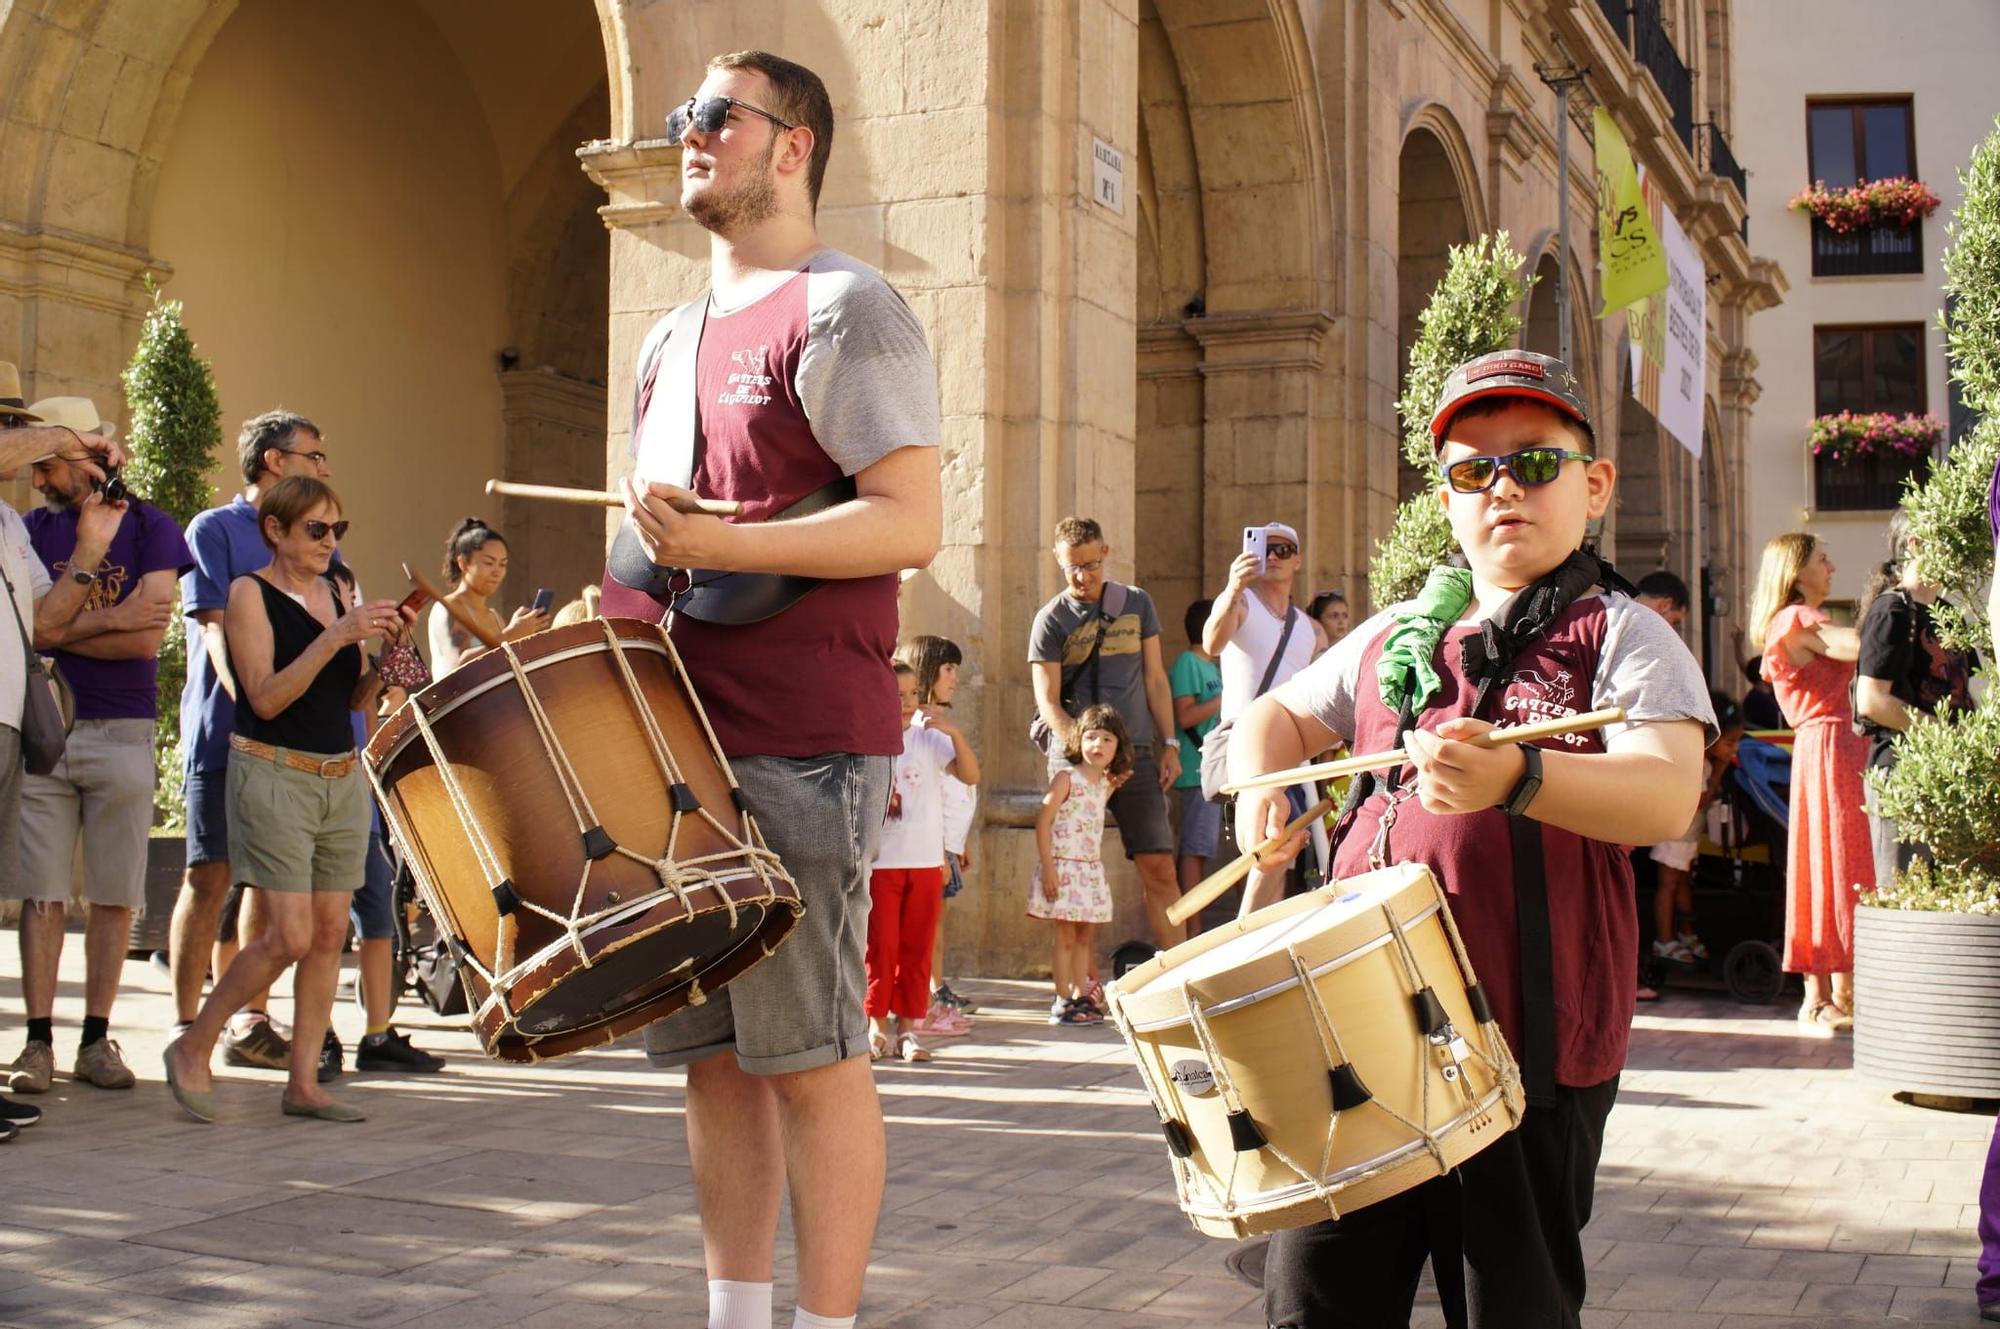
(113, 489)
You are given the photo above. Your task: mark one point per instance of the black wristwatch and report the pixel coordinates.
(1530, 783)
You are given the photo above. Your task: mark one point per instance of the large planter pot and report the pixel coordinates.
(1927, 1001)
(166, 860)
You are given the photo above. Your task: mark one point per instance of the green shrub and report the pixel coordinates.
(176, 426)
(1475, 309)
(1948, 515)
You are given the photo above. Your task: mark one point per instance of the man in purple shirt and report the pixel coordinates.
(101, 792)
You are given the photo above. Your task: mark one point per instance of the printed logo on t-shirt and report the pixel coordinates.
(748, 384)
(1548, 692)
(106, 591)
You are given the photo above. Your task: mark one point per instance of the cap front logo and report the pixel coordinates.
(1498, 368)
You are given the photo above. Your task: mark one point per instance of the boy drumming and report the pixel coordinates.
(1532, 631)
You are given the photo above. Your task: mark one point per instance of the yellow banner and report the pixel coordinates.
(1629, 250)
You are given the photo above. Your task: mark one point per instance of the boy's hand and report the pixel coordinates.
(1454, 776)
(1261, 814)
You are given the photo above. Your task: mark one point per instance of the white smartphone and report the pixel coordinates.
(1253, 543)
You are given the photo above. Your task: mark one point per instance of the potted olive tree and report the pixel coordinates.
(175, 426)
(1927, 944)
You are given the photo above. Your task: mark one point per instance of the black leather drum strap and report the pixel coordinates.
(1538, 984)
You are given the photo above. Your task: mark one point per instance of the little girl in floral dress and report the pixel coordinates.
(1069, 887)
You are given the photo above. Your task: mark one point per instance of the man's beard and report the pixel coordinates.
(753, 201)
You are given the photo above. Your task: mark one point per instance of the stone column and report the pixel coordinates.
(555, 434)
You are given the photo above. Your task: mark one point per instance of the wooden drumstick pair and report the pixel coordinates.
(1206, 892)
(609, 498)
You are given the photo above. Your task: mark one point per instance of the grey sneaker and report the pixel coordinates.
(259, 1045)
(33, 1069)
(103, 1065)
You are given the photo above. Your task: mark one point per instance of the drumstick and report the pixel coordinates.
(1206, 892)
(1383, 761)
(609, 498)
(487, 637)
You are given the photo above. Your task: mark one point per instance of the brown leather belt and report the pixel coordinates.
(328, 768)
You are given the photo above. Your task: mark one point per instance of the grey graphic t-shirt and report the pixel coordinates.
(1063, 633)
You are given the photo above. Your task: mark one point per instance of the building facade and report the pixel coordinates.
(1842, 92)
(1170, 255)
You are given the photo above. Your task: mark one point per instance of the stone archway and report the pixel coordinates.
(1436, 198)
(350, 257)
(1229, 427)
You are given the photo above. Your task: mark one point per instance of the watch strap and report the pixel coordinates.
(1529, 785)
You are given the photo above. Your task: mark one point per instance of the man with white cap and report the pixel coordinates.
(40, 606)
(1260, 639)
(101, 793)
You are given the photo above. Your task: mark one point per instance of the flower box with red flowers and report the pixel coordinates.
(1852, 434)
(1845, 210)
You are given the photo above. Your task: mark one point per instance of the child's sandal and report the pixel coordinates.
(909, 1049)
(878, 1046)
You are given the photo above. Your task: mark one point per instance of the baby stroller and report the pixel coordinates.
(1738, 879)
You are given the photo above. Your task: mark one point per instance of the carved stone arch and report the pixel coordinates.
(1437, 120)
(618, 78)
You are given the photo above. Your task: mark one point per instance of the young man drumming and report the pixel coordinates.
(811, 396)
(1528, 841)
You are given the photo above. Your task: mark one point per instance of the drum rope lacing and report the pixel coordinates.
(676, 877)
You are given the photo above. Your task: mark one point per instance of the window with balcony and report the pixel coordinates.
(1851, 143)
(1870, 371)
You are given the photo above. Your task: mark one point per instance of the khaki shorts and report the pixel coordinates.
(102, 792)
(295, 831)
(11, 775)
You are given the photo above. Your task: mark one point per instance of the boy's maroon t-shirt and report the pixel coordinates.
(1601, 651)
(814, 678)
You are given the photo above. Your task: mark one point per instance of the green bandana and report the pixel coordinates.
(1405, 669)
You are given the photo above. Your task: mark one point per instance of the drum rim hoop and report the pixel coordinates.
(1280, 987)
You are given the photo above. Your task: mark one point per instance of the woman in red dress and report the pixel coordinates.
(1810, 660)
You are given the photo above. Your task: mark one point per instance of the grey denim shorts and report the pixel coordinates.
(799, 1008)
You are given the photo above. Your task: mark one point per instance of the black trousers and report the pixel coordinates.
(1513, 1213)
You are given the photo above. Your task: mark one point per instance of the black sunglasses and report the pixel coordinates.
(317, 530)
(1530, 467)
(709, 114)
(1279, 549)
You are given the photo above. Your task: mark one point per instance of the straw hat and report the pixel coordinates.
(12, 405)
(78, 413)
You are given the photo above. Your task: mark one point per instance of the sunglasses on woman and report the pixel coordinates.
(709, 114)
(319, 530)
(1530, 467)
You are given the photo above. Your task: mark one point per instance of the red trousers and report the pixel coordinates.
(902, 927)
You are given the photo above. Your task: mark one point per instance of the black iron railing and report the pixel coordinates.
(1873, 483)
(1654, 51)
(1722, 164)
(1872, 251)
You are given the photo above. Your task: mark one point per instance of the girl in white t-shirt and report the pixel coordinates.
(937, 661)
(907, 885)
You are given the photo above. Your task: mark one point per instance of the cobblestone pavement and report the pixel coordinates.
(1750, 1179)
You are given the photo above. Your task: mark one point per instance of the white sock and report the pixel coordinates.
(805, 1319)
(738, 1305)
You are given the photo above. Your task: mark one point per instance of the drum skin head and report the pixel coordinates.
(1239, 1055)
(637, 884)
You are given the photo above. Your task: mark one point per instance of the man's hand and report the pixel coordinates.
(1454, 776)
(1261, 814)
(91, 453)
(1243, 569)
(96, 524)
(671, 539)
(1170, 763)
(139, 613)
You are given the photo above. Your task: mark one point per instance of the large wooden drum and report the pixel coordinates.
(1320, 1055)
(579, 837)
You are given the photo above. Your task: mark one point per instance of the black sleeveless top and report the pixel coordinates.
(320, 720)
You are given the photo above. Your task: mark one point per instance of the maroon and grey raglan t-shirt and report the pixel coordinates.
(1604, 650)
(819, 378)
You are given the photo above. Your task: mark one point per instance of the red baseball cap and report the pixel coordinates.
(1527, 374)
